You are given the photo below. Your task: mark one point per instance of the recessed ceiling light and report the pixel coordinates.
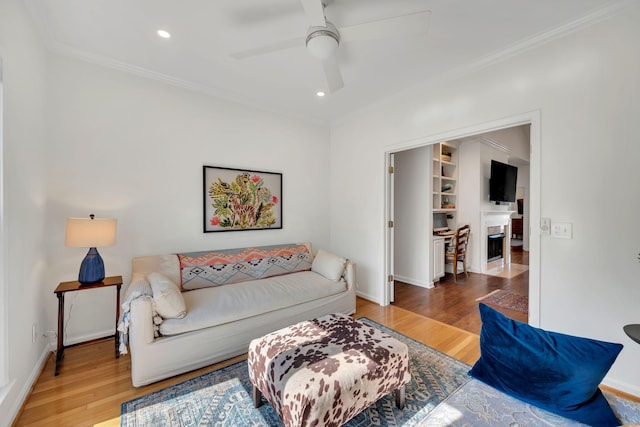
(320, 93)
(164, 34)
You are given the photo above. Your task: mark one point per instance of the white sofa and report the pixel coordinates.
(220, 321)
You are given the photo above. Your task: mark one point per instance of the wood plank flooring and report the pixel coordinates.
(93, 384)
(454, 303)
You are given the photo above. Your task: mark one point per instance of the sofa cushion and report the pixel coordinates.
(557, 372)
(329, 265)
(214, 306)
(167, 297)
(167, 265)
(207, 269)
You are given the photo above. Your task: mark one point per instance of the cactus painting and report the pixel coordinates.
(237, 199)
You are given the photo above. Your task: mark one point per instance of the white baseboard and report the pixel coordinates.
(622, 386)
(31, 380)
(5, 389)
(39, 367)
(368, 297)
(88, 337)
(416, 282)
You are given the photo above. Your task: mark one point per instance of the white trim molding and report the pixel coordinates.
(534, 119)
(4, 291)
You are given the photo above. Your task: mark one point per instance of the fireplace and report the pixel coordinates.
(495, 238)
(495, 245)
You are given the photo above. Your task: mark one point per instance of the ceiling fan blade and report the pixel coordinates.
(315, 12)
(332, 74)
(413, 24)
(274, 47)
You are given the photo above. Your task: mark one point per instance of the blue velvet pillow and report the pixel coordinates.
(556, 372)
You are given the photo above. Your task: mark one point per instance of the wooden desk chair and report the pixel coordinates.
(457, 251)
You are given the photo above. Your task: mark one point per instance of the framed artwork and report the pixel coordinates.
(238, 199)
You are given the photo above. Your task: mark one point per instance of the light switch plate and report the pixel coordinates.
(545, 226)
(562, 230)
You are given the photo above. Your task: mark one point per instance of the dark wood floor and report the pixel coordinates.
(455, 303)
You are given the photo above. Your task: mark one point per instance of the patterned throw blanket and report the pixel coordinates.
(206, 269)
(227, 266)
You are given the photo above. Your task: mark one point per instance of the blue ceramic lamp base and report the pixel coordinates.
(92, 268)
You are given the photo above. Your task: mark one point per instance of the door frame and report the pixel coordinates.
(390, 215)
(531, 118)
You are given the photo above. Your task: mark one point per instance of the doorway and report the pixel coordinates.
(533, 120)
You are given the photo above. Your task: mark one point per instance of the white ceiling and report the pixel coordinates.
(462, 35)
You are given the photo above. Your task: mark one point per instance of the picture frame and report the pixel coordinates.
(241, 199)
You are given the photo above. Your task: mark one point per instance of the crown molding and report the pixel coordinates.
(36, 7)
(609, 10)
(495, 144)
(219, 93)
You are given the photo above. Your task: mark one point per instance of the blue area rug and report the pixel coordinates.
(223, 397)
(479, 405)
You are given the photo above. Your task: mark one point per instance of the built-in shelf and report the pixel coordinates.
(445, 199)
(445, 179)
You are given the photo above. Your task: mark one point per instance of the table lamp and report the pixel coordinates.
(90, 233)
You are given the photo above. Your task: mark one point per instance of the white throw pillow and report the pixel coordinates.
(329, 265)
(139, 286)
(167, 297)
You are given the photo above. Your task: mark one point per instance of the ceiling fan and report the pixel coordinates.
(323, 38)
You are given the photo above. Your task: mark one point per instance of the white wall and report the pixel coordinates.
(475, 173)
(133, 149)
(524, 173)
(515, 141)
(121, 146)
(469, 191)
(412, 219)
(475, 166)
(23, 160)
(585, 87)
(487, 154)
(81, 139)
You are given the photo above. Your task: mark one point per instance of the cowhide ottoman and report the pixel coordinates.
(323, 372)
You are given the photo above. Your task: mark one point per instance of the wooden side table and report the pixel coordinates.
(77, 286)
(517, 227)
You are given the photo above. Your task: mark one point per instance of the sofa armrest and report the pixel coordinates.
(350, 274)
(141, 328)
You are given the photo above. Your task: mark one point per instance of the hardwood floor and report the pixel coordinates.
(454, 303)
(93, 384)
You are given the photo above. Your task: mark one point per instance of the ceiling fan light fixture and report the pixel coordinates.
(322, 42)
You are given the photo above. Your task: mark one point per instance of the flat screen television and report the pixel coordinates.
(502, 185)
(440, 222)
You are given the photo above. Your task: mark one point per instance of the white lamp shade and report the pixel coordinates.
(90, 233)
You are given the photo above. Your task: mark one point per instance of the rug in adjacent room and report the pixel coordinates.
(223, 397)
(506, 299)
